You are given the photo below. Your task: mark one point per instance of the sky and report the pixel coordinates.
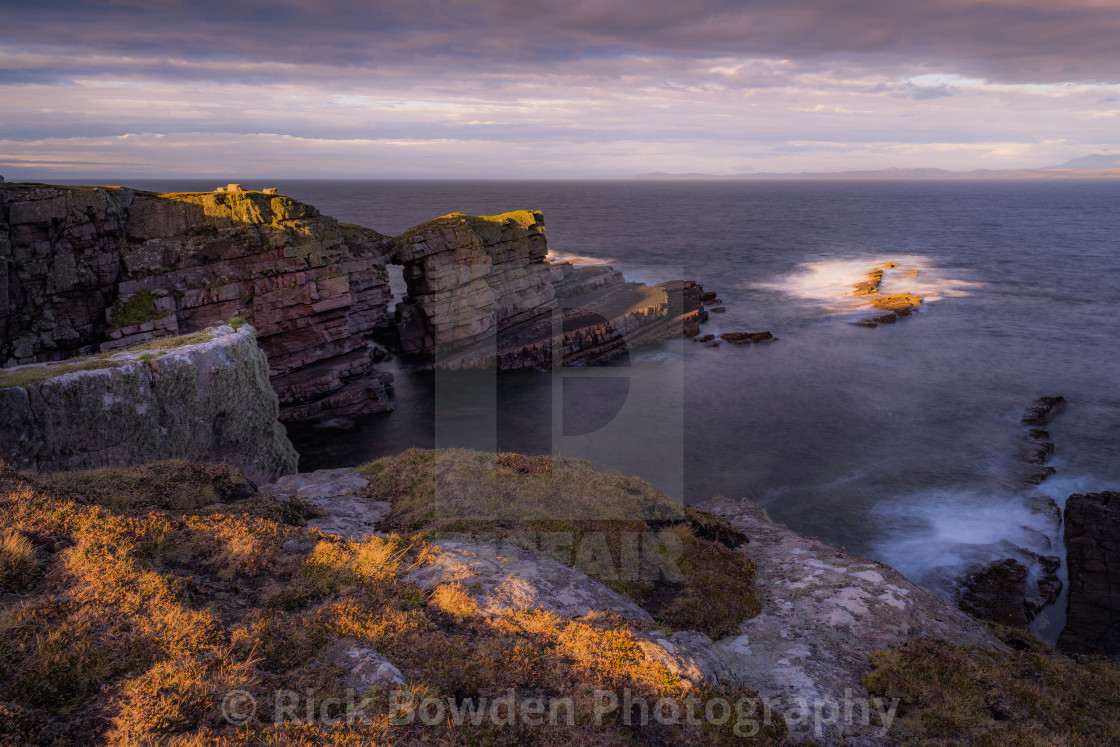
(550, 89)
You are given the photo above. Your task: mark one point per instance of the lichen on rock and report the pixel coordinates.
(208, 399)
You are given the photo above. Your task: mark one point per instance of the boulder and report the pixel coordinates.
(362, 666)
(1092, 537)
(997, 593)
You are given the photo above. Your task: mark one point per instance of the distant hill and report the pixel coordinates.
(1106, 160)
(1095, 166)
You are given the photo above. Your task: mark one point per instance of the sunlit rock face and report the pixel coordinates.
(472, 276)
(106, 268)
(482, 294)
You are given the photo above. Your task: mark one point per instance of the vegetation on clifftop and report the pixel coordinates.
(1031, 695)
(582, 518)
(133, 601)
(36, 372)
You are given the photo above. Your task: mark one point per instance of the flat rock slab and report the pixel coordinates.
(690, 655)
(333, 491)
(504, 579)
(363, 666)
(824, 611)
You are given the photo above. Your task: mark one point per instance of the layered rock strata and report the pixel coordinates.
(97, 269)
(1092, 536)
(104, 268)
(482, 294)
(205, 398)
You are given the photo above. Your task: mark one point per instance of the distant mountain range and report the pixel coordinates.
(1094, 166)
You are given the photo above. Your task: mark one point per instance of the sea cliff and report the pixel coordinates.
(203, 397)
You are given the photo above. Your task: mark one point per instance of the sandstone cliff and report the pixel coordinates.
(481, 293)
(97, 269)
(85, 269)
(204, 397)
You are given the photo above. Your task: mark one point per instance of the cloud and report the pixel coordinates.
(580, 88)
(1006, 40)
(922, 93)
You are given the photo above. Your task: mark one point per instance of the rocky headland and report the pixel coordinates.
(135, 600)
(85, 270)
(398, 601)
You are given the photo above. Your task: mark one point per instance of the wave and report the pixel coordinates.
(830, 283)
(577, 259)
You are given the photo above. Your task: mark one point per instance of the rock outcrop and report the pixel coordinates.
(88, 269)
(101, 268)
(334, 492)
(896, 305)
(1092, 536)
(824, 611)
(205, 397)
(997, 593)
(505, 579)
(1043, 410)
(481, 294)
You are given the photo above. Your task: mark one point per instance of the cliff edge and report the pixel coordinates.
(203, 397)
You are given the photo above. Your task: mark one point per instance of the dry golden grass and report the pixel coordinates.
(524, 498)
(134, 600)
(1031, 696)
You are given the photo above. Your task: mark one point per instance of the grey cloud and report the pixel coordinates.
(1010, 40)
(923, 93)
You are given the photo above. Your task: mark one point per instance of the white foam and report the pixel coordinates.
(576, 259)
(829, 283)
(950, 529)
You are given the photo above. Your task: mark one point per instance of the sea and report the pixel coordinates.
(902, 443)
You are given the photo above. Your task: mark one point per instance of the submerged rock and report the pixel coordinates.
(898, 304)
(1038, 446)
